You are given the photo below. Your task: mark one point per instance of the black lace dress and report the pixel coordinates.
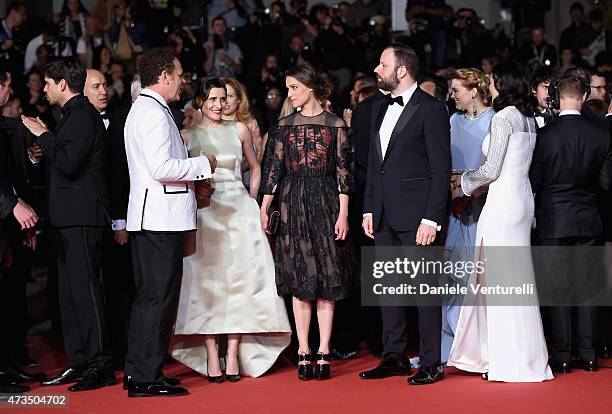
(308, 164)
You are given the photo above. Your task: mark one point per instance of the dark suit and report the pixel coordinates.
(78, 209)
(13, 259)
(408, 184)
(116, 259)
(350, 329)
(572, 161)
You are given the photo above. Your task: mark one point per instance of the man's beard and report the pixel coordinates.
(388, 84)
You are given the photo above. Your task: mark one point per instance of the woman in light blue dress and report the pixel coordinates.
(469, 126)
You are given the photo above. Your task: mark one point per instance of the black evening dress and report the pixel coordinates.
(308, 164)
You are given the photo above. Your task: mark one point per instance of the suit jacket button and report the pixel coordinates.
(382, 172)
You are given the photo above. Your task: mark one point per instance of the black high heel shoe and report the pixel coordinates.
(232, 377)
(305, 370)
(218, 379)
(323, 371)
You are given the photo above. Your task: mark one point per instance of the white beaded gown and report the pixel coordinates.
(507, 342)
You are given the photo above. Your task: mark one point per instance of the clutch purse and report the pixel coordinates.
(273, 220)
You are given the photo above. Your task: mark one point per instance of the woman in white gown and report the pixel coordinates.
(504, 343)
(228, 282)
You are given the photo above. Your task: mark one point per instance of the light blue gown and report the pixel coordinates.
(467, 136)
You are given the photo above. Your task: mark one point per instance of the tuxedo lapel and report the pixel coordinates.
(407, 113)
(379, 108)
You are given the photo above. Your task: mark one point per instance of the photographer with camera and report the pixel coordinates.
(474, 40)
(224, 57)
(538, 52)
(12, 42)
(430, 16)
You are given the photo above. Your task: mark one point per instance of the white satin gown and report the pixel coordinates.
(228, 284)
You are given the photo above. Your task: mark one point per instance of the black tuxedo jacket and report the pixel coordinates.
(411, 182)
(572, 162)
(118, 176)
(361, 123)
(75, 155)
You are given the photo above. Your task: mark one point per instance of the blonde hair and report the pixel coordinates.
(243, 112)
(474, 79)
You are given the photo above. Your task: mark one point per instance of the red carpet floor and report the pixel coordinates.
(281, 392)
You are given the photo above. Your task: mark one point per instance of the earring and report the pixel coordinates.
(474, 110)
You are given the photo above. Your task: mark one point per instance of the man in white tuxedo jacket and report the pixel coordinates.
(162, 207)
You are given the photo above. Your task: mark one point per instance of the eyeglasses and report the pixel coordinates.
(272, 96)
(599, 88)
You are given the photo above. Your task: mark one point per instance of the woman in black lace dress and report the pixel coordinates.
(308, 168)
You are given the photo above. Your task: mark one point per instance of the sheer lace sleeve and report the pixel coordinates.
(500, 132)
(274, 170)
(344, 160)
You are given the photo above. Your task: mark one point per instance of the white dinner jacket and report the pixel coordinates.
(162, 196)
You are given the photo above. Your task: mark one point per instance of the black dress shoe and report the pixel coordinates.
(605, 352)
(560, 367)
(154, 390)
(427, 375)
(67, 376)
(94, 379)
(169, 381)
(13, 389)
(17, 376)
(387, 368)
(588, 366)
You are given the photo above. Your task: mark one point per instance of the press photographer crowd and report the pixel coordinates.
(193, 182)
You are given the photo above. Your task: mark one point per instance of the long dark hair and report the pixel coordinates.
(512, 83)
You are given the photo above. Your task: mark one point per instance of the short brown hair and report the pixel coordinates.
(406, 56)
(153, 62)
(314, 79)
(474, 79)
(202, 90)
(572, 87)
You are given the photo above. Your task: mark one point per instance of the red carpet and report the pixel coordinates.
(281, 392)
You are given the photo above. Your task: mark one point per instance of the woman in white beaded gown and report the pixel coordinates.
(228, 286)
(504, 343)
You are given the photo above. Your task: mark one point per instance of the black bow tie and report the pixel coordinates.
(104, 115)
(398, 100)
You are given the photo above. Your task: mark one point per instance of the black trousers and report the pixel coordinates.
(395, 318)
(157, 258)
(571, 324)
(119, 294)
(81, 297)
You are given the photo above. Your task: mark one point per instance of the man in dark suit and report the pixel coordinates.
(78, 209)
(572, 160)
(351, 329)
(116, 262)
(409, 169)
(17, 220)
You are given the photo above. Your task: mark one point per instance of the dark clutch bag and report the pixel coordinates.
(273, 220)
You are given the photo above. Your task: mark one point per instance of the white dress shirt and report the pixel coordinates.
(386, 129)
(569, 112)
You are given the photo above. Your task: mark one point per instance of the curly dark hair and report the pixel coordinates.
(203, 89)
(313, 78)
(153, 62)
(512, 83)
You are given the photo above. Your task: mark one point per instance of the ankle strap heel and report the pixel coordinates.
(305, 371)
(323, 371)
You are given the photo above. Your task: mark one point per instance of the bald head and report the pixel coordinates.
(96, 89)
